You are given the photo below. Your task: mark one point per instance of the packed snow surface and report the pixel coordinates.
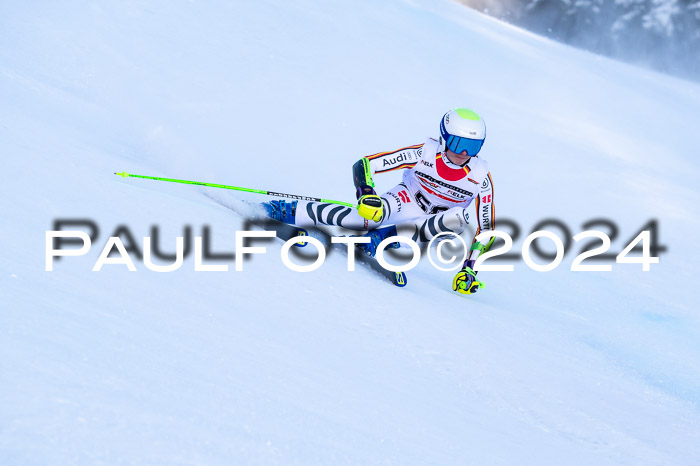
(268, 365)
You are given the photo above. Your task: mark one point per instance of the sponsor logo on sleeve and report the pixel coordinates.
(486, 216)
(387, 161)
(486, 184)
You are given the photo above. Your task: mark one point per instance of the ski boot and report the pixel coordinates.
(377, 236)
(281, 210)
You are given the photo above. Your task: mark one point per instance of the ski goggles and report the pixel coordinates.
(458, 144)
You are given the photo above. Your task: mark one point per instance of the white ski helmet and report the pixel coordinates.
(462, 129)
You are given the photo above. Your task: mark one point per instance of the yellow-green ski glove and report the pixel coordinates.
(465, 282)
(370, 207)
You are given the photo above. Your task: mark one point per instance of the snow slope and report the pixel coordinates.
(271, 366)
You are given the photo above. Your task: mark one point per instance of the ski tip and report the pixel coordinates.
(122, 174)
(301, 232)
(400, 279)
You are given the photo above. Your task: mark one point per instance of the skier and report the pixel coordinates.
(442, 178)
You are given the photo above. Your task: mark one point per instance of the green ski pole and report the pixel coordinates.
(236, 188)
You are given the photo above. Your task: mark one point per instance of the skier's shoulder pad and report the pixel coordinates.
(429, 149)
(478, 169)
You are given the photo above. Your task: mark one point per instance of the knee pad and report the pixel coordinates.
(455, 220)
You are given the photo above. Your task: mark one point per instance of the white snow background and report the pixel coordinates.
(270, 366)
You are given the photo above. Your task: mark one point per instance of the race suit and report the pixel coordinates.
(433, 195)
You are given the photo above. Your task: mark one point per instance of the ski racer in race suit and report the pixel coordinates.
(441, 179)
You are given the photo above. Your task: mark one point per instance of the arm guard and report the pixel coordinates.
(362, 176)
(480, 249)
